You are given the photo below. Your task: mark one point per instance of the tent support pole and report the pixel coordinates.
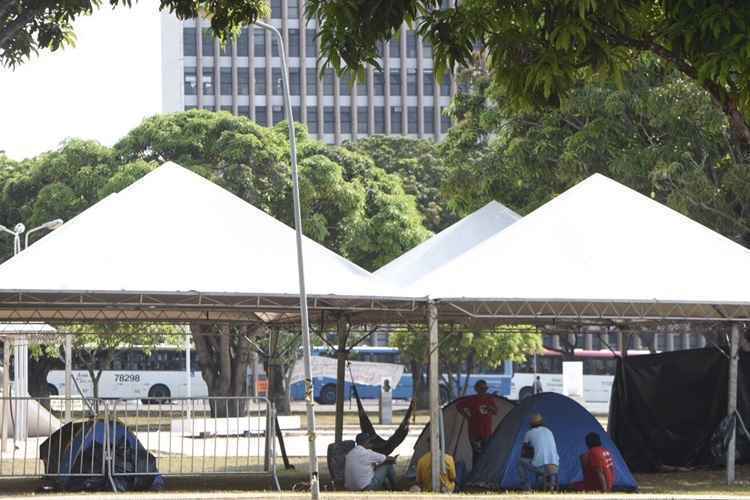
(732, 400)
(341, 340)
(68, 377)
(437, 458)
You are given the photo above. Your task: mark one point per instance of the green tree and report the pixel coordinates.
(419, 165)
(540, 49)
(28, 26)
(659, 133)
(462, 353)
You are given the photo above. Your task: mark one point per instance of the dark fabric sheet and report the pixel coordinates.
(377, 443)
(665, 407)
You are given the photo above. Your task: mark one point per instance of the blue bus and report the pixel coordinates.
(324, 387)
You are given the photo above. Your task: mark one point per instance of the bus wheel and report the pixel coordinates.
(158, 393)
(52, 390)
(525, 392)
(328, 395)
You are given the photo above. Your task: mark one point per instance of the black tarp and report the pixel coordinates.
(665, 407)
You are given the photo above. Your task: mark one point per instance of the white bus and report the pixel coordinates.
(598, 375)
(135, 374)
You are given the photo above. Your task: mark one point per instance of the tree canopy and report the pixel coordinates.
(538, 50)
(28, 26)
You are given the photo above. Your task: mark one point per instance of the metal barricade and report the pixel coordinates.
(195, 437)
(207, 436)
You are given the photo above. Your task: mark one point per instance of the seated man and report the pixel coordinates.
(368, 470)
(598, 465)
(447, 478)
(543, 460)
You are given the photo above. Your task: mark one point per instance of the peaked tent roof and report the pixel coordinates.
(448, 244)
(599, 250)
(174, 240)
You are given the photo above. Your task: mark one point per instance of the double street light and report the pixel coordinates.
(21, 350)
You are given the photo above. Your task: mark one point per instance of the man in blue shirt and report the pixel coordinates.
(541, 458)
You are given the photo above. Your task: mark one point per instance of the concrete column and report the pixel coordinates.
(387, 85)
(68, 377)
(437, 459)
(217, 75)
(670, 342)
(353, 95)
(7, 346)
(588, 341)
(235, 83)
(269, 79)
(336, 108)
(420, 88)
(370, 99)
(404, 74)
(436, 105)
(302, 63)
(251, 70)
(732, 400)
(21, 371)
(199, 61)
(319, 87)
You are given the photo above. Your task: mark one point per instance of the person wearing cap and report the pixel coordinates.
(478, 410)
(368, 470)
(539, 456)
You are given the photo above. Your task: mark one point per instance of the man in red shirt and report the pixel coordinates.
(478, 410)
(598, 466)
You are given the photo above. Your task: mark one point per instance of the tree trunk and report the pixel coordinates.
(419, 386)
(223, 358)
(342, 336)
(277, 392)
(38, 371)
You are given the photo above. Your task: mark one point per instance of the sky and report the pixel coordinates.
(99, 89)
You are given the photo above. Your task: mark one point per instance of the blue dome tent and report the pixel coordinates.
(568, 421)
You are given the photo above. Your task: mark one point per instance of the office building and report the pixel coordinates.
(244, 78)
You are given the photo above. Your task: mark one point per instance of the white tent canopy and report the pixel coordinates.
(599, 250)
(448, 244)
(173, 245)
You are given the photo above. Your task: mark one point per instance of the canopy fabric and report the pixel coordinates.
(448, 244)
(175, 239)
(599, 250)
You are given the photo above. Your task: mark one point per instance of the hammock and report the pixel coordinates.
(377, 443)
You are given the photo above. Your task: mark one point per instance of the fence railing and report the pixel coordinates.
(131, 437)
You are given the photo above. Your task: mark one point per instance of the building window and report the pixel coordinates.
(276, 9)
(379, 119)
(208, 80)
(395, 75)
(261, 118)
(278, 114)
(345, 115)
(243, 111)
(345, 85)
(276, 80)
(411, 116)
(293, 43)
(429, 83)
(362, 86)
(411, 81)
(445, 87)
(190, 108)
(312, 119)
(311, 47)
(380, 48)
(260, 81)
(445, 121)
(362, 119)
(259, 41)
(294, 81)
(274, 47)
(429, 120)
(191, 80)
(329, 123)
(396, 119)
(226, 49)
(296, 113)
(227, 108)
(426, 50)
(411, 44)
(208, 42)
(394, 47)
(243, 81)
(312, 81)
(292, 9)
(243, 44)
(328, 82)
(225, 81)
(378, 82)
(189, 45)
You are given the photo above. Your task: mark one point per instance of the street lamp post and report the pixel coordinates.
(314, 480)
(21, 344)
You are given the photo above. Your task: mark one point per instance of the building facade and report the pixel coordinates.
(244, 78)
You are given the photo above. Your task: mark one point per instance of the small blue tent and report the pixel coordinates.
(74, 458)
(568, 421)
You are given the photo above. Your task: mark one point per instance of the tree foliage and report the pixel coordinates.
(659, 133)
(28, 26)
(538, 50)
